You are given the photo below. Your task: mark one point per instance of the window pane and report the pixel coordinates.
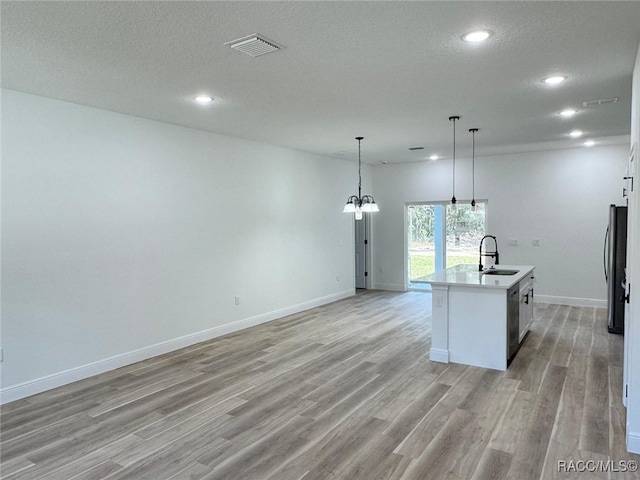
(420, 235)
(465, 229)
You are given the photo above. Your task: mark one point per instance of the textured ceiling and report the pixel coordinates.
(392, 72)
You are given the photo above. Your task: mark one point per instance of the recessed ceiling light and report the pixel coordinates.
(433, 157)
(568, 112)
(575, 133)
(589, 143)
(203, 99)
(555, 79)
(477, 36)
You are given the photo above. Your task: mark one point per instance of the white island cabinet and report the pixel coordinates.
(480, 318)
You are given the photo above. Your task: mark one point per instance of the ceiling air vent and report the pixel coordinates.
(254, 45)
(416, 148)
(602, 101)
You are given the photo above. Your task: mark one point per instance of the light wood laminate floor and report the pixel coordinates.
(343, 391)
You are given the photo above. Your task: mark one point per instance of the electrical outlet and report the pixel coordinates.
(1, 354)
(535, 242)
(512, 242)
(237, 300)
(438, 299)
(337, 278)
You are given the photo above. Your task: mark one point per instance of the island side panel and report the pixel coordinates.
(439, 324)
(477, 326)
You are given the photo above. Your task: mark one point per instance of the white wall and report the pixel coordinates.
(124, 238)
(560, 197)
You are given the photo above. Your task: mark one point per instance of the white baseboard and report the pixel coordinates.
(26, 389)
(633, 442)
(571, 301)
(439, 355)
(394, 287)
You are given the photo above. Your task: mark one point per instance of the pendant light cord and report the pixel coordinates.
(453, 189)
(359, 170)
(359, 167)
(473, 165)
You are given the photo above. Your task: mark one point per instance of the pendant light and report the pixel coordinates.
(454, 207)
(360, 203)
(473, 169)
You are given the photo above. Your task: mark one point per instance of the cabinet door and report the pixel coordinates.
(530, 311)
(526, 306)
(523, 320)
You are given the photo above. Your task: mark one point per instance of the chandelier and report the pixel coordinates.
(360, 203)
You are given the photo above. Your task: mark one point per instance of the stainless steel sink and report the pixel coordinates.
(499, 272)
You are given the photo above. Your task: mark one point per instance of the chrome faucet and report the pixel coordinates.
(495, 254)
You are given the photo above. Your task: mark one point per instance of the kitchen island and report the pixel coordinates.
(480, 318)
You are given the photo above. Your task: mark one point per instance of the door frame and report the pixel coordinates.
(366, 218)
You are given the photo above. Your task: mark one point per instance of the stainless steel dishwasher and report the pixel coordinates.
(513, 321)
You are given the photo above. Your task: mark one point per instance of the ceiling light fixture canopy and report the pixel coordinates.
(473, 169)
(360, 203)
(453, 198)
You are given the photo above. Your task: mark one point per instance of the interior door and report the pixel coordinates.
(630, 193)
(360, 229)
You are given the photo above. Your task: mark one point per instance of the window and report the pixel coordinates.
(440, 237)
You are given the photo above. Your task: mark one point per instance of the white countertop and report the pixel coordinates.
(469, 276)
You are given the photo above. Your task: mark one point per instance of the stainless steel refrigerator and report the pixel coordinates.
(615, 259)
